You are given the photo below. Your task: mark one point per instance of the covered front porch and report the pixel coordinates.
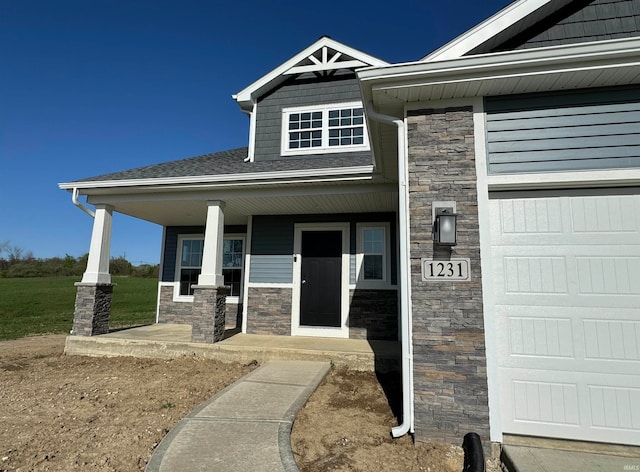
(235, 248)
(173, 340)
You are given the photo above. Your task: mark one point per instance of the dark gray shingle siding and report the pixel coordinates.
(299, 92)
(597, 20)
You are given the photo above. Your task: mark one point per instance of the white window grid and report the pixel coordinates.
(320, 129)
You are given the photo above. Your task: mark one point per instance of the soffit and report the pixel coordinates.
(187, 209)
(606, 63)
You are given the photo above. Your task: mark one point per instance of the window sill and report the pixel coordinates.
(372, 285)
(323, 150)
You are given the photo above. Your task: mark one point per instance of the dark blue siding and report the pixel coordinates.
(580, 130)
(272, 243)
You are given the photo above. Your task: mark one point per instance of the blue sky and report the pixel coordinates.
(89, 87)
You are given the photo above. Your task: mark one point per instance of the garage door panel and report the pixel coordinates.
(569, 339)
(588, 220)
(574, 405)
(526, 275)
(566, 303)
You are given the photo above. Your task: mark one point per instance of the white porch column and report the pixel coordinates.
(99, 252)
(211, 273)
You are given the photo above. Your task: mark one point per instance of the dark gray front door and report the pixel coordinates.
(321, 289)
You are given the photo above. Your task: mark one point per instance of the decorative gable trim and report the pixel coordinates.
(319, 61)
(522, 11)
(321, 57)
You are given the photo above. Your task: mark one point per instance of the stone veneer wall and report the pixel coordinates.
(373, 314)
(269, 310)
(170, 311)
(234, 316)
(173, 312)
(450, 376)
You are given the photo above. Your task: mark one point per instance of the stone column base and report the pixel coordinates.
(208, 314)
(92, 310)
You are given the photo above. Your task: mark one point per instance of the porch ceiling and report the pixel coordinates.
(190, 209)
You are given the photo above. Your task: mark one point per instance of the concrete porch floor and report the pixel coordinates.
(169, 341)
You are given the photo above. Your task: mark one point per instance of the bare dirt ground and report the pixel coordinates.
(65, 413)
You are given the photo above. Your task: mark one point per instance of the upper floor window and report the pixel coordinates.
(324, 129)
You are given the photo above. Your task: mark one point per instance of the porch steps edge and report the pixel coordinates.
(119, 347)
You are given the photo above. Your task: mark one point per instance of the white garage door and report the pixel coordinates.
(567, 307)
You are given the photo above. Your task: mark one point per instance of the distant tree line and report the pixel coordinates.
(16, 262)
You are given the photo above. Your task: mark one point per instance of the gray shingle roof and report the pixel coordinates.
(232, 162)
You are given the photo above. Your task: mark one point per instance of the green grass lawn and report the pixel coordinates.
(45, 304)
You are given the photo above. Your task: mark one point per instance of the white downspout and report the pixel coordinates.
(404, 276)
(252, 131)
(76, 202)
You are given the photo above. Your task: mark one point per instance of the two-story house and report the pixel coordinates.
(300, 226)
(516, 146)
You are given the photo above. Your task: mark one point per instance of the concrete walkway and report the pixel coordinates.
(246, 426)
(538, 459)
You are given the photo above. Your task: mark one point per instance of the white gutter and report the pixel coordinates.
(404, 276)
(76, 202)
(230, 179)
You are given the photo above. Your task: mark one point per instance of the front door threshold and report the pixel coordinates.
(320, 331)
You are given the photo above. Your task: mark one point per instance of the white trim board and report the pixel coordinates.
(489, 28)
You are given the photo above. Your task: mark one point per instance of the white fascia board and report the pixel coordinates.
(484, 31)
(480, 66)
(245, 96)
(229, 180)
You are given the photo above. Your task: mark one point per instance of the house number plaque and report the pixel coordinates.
(453, 269)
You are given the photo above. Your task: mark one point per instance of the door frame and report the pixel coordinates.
(343, 330)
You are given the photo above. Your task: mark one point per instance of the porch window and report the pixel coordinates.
(373, 255)
(323, 129)
(233, 255)
(190, 264)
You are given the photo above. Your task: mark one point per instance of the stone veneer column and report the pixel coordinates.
(208, 314)
(92, 309)
(93, 297)
(450, 375)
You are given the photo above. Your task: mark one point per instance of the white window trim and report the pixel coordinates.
(361, 283)
(325, 148)
(176, 284)
(176, 290)
(243, 237)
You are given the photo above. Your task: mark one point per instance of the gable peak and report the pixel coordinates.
(322, 57)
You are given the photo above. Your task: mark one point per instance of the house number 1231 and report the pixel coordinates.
(453, 269)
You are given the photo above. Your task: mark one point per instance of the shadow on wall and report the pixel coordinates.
(373, 315)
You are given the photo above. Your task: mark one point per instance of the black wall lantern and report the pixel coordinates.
(444, 227)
